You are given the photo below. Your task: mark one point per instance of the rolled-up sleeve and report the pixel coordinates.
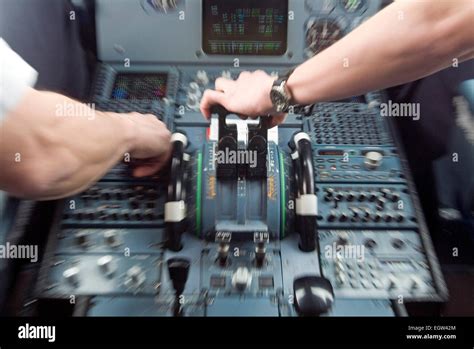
(15, 77)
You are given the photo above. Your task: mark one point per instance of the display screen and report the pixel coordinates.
(245, 27)
(331, 152)
(140, 86)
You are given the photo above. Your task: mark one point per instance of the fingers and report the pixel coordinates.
(223, 84)
(209, 99)
(277, 120)
(152, 166)
(146, 170)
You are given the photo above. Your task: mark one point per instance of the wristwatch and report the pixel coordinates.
(280, 96)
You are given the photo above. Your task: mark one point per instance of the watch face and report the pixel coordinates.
(278, 99)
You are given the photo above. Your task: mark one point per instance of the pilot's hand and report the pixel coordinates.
(151, 143)
(248, 96)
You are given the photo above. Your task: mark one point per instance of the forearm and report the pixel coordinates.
(51, 154)
(406, 41)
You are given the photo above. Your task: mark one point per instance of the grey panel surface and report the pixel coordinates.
(127, 30)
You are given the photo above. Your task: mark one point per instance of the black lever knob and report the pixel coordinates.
(178, 269)
(313, 295)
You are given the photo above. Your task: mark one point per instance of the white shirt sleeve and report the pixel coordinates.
(15, 77)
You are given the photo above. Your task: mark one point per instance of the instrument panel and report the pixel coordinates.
(332, 208)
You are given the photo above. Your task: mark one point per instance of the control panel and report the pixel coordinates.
(315, 217)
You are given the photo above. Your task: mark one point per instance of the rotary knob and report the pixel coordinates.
(373, 160)
(193, 102)
(135, 277)
(194, 89)
(106, 265)
(226, 74)
(111, 237)
(82, 238)
(72, 275)
(202, 78)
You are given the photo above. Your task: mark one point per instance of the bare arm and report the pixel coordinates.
(46, 155)
(406, 41)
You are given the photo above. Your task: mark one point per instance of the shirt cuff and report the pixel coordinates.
(15, 77)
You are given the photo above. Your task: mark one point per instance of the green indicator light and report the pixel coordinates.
(198, 193)
(282, 197)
